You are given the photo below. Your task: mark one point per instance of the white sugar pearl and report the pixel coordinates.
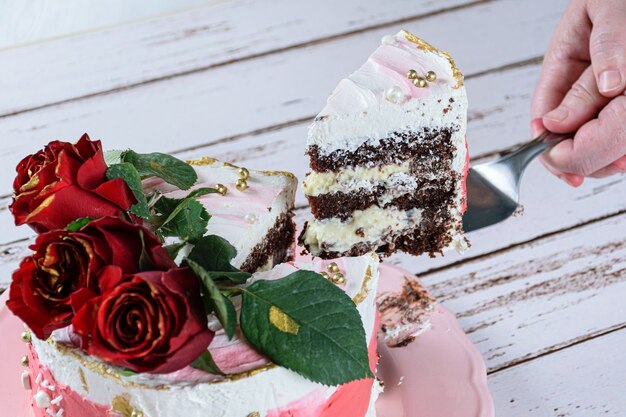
(388, 40)
(395, 95)
(250, 218)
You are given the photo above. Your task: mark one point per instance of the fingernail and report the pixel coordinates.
(536, 127)
(558, 114)
(609, 80)
(573, 179)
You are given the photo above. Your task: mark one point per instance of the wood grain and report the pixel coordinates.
(189, 41)
(585, 380)
(257, 95)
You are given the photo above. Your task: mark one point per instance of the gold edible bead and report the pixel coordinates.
(412, 74)
(244, 174)
(333, 267)
(338, 278)
(325, 275)
(26, 336)
(221, 188)
(419, 82)
(241, 184)
(136, 413)
(431, 76)
(24, 361)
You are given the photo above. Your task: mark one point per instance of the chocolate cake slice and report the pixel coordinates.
(388, 156)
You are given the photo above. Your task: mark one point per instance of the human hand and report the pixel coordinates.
(581, 89)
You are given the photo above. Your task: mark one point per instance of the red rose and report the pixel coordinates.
(151, 321)
(64, 263)
(64, 182)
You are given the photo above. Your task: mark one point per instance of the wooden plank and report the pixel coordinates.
(584, 380)
(537, 297)
(259, 94)
(204, 37)
(48, 19)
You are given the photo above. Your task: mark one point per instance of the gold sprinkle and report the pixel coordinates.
(121, 404)
(26, 337)
(205, 160)
(136, 413)
(338, 278)
(431, 76)
(281, 173)
(364, 291)
(24, 361)
(333, 267)
(83, 379)
(325, 275)
(411, 74)
(425, 46)
(420, 82)
(282, 321)
(221, 189)
(244, 174)
(241, 185)
(254, 414)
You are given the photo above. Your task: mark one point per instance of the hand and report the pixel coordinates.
(581, 89)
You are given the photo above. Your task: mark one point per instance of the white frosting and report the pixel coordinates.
(42, 399)
(262, 392)
(244, 218)
(372, 225)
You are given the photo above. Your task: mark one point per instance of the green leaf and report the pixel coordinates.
(172, 170)
(126, 372)
(173, 249)
(305, 323)
(113, 157)
(206, 363)
(129, 174)
(214, 300)
(78, 224)
(186, 218)
(214, 254)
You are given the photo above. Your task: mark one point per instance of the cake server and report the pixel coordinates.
(493, 187)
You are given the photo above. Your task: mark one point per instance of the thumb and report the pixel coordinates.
(608, 45)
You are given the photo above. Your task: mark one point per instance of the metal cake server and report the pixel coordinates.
(493, 187)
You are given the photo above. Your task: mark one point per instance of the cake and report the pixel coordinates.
(62, 377)
(257, 220)
(158, 287)
(388, 156)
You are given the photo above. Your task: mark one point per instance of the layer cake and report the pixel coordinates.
(388, 156)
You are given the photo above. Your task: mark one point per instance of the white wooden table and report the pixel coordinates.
(542, 296)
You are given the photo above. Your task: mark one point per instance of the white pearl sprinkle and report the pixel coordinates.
(26, 380)
(388, 40)
(250, 218)
(395, 95)
(42, 399)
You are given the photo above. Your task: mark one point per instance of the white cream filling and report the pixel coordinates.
(372, 225)
(353, 178)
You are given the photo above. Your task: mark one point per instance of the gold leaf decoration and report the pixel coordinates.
(282, 321)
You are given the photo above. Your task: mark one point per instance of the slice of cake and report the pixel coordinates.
(253, 211)
(388, 156)
(65, 382)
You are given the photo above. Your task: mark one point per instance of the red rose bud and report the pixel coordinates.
(64, 182)
(64, 263)
(151, 321)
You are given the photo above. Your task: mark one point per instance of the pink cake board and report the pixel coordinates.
(440, 374)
